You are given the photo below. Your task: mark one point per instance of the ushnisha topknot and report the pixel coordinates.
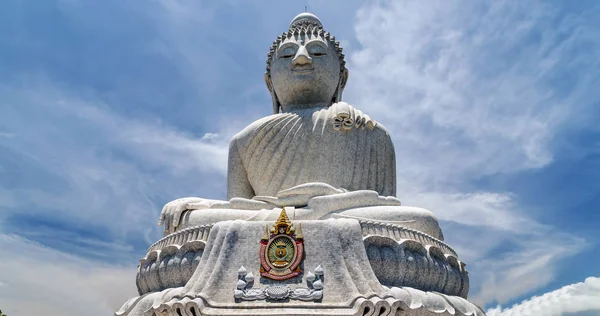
(306, 24)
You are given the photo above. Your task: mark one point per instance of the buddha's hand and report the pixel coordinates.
(299, 195)
(172, 211)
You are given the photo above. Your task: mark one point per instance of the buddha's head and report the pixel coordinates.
(305, 67)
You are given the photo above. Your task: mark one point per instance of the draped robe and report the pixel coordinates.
(288, 149)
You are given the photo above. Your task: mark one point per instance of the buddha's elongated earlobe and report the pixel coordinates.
(341, 85)
(269, 83)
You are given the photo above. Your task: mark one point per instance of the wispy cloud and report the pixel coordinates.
(115, 168)
(36, 280)
(468, 91)
(574, 298)
(531, 263)
(445, 83)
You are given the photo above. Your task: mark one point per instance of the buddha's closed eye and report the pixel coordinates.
(288, 52)
(317, 50)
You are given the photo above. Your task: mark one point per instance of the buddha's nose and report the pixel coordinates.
(302, 57)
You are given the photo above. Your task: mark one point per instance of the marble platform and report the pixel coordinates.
(334, 251)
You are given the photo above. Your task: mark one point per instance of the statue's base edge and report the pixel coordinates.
(402, 301)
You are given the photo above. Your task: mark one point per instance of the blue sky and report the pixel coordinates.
(110, 109)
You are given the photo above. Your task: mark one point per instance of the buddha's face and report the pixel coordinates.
(305, 71)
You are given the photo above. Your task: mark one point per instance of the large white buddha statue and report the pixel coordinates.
(324, 173)
(315, 153)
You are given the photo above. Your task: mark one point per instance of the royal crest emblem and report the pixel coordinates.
(281, 249)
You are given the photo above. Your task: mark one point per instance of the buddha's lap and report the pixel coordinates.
(406, 216)
(411, 217)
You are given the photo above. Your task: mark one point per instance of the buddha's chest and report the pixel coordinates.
(299, 150)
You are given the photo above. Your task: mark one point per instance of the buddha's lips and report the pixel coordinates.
(302, 69)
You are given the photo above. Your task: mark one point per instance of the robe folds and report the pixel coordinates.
(288, 149)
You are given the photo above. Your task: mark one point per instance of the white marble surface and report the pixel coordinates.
(289, 149)
(350, 287)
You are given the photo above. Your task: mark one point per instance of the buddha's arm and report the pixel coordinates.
(237, 178)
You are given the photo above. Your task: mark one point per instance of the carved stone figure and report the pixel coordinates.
(311, 225)
(320, 155)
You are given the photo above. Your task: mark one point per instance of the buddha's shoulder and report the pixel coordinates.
(348, 117)
(254, 127)
(341, 116)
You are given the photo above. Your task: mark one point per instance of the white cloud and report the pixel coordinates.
(496, 210)
(529, 265)
(574, 298)
(439, 83)
(469, 90)
(40, 281)
(116, 168)
(155, 141)
(210, 136)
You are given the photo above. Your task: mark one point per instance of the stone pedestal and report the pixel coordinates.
(334, 255)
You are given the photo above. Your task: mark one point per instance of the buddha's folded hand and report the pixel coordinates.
(299, 195)
(172, 211)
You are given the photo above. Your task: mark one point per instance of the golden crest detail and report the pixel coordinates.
(281, 249)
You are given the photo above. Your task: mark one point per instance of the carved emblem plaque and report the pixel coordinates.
(281, 249)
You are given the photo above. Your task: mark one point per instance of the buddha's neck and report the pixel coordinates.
(293, 107)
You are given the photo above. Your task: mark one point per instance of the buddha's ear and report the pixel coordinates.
(344, 78)
(268, 82)
(341, 84)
